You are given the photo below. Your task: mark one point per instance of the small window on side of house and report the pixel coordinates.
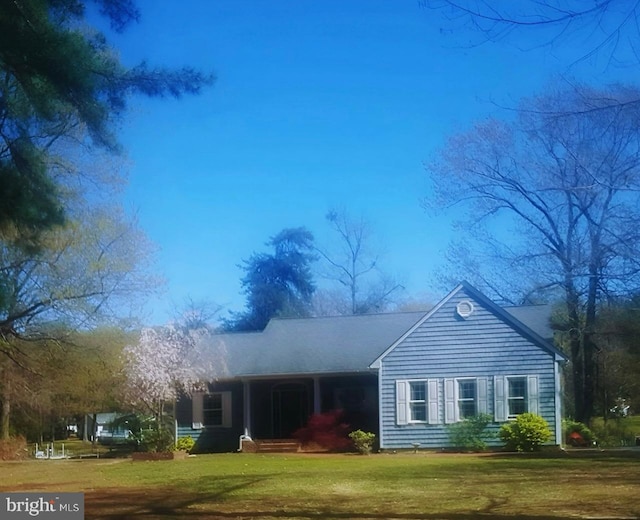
(418, 401)
(467, 398)
(212, 409)
(516, 396)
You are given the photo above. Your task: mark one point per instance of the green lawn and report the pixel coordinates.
(404, 486)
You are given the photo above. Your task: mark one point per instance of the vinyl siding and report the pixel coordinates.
(446, 347)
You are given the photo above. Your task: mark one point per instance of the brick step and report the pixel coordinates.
(277, 446)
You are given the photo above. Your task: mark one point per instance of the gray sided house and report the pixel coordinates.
(404, 376)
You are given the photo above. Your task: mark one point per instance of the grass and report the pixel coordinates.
(402, 486)
(617, 432)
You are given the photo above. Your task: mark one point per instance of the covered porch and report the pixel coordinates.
(275, 408)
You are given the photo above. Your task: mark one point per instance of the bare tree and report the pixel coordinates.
(355, 266)
(609, 27)
(570, 188)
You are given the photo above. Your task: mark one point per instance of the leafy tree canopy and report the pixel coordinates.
(277, 284)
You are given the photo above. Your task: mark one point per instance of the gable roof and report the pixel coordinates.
(344, 344)
(536, 317)
(511, 315)
(325, 345)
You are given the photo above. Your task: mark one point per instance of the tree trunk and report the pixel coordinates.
(95, 430)
(576, 348)
(589, 346)
(85, 428)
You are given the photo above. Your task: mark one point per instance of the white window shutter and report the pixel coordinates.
(450, 408)
(226, 409)
(532, 394)
(402, 403)
(434, 402)
(481, 387)
(197, 416)
(500, 399)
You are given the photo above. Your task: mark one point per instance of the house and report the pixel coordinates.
(105, 428)
(404, 376)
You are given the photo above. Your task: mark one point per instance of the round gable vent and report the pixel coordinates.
(464, 309)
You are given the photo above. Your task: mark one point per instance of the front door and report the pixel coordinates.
(290, 403)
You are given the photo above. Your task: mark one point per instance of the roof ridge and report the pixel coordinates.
(334, 316)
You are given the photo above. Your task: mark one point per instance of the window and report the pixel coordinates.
(464, 397)
(467, 394)
(516, 396)
(211, 410)
(418, 401)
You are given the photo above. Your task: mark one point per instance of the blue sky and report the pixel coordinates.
(316, 104)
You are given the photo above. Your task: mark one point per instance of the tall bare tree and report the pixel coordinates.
(354, 265)
(570, 189)
(608, 28)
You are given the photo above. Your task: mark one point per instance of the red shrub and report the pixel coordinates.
(327, 431)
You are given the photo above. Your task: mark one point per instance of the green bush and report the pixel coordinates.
(363, 441)
(527, 433)
(147, 434)
(185, 444)
(156, 440)
(569, 427)
(471, 433)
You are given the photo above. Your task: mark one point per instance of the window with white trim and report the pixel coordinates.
(467, 396)
(464, 397)
(417, 402)
(514, 395)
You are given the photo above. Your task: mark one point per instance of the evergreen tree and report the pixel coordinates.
(277, 284)
(57, 75)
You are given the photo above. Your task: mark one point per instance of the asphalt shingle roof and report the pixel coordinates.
(326, 345)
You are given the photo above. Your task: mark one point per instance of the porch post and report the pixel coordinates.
(316, 395)
(246, 407)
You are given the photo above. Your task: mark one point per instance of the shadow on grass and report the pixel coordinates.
(119, 506)
(170, 503)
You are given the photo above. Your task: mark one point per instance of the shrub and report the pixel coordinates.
(570, 428)
(363, 441)
(156, 440)
(185, 444)
(147, 434)
(471, 433)
(326, 430)
(14, 448)
(527, 433)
